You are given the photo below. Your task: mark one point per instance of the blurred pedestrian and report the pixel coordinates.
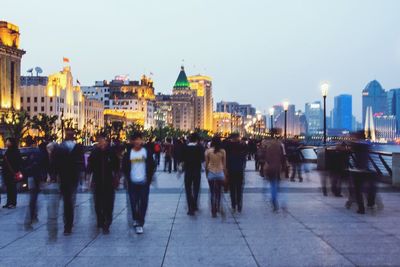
(36, 171)
(236, 162)
(139, 167)
(69, 164)
(272, 167)
(193, 157)
(215, 158)
(168, 153)
(157, 151)
(104, 165)
(12, 172)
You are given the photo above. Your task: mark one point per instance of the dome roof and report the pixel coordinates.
(374, 88)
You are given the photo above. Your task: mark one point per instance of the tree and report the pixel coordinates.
(45, 125)
(16, 124)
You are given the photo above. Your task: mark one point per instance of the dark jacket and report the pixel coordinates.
(36, 164)
(103, 164)
(235, 157)
(68, 165)
(150, 164)
(192, 156)
(12, 162)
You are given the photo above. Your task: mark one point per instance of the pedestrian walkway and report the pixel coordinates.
(312, 231)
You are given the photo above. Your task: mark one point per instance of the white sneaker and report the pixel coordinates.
(139, 230)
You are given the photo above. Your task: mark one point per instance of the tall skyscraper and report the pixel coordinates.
(204, 101)
(10, 66)
(394, 106)
(314, 115)
(374, 96)
(342, 112)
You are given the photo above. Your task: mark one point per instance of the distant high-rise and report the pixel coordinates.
(394, 106)
(374, 96)
(314, 115)
(203, 101)
(342, 112)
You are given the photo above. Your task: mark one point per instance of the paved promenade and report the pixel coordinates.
(312, 231)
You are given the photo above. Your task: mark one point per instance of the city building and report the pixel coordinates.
(125, 100)
(10, 66)
(394, 106)
(183, 103)
(315, 118)
(163, 111)
(385, 127)
(374, 96)
(343, 112)
(222, 123)
(202, 85)
(54, 95)
(236, 108)
(94, 115)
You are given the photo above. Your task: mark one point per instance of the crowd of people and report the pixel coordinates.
(223, 160)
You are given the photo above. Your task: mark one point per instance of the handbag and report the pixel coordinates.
(18, 176)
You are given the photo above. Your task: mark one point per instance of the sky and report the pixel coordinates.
(259, 52)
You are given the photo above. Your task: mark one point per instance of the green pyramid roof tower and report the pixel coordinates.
(182, 81)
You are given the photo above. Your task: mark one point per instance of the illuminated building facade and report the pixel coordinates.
(222, 123)
(94, 115)
(385, 127)
(343, 112)
(163, 111)
(10, 66)
(54, 95)
(125, 100)
(202, 85)
(183, 103)
(314, 116)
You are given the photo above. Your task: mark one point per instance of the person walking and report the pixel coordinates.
(272, 167)
(36, 171)
(103, 163)
(11, 170)
(157, 151)
(215, 158)
(193, 157)
(168, 152)
(139, 167)
(236, 162)
(69, 164)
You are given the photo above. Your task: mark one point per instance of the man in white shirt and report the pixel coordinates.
(139, 167)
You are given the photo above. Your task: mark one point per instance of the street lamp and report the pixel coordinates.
(285, 108)
(271, 114)
(324, 91)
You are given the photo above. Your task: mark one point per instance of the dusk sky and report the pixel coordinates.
(256, 51)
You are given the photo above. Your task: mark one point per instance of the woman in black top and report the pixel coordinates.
(10, 167)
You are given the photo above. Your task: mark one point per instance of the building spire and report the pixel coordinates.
(182, 80)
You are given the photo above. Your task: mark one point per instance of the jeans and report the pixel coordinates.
(168, 163)
(274, 183)
(34, 189)
(296, 167)
(139, 199)
(192, 188)
(216, 191)
(236, 180)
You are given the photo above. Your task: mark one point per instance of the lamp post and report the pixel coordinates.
(324, 90)
(285, 108)
(271, 114)
(62, 126)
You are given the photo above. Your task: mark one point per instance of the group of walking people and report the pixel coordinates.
(224, 164)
